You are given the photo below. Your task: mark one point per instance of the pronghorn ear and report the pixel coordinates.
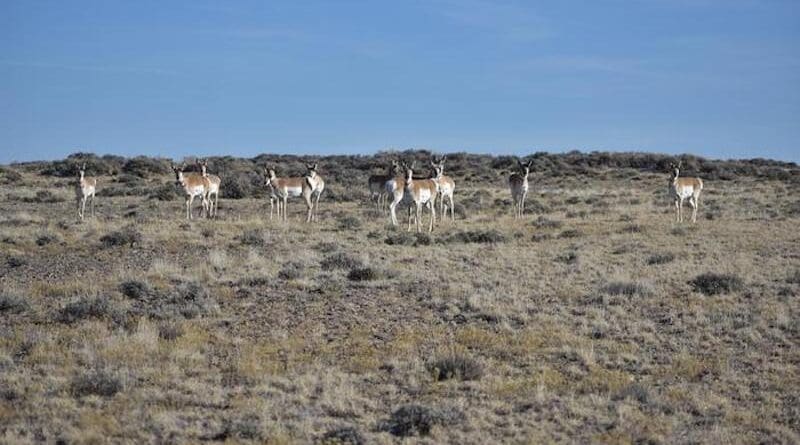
(413, 163)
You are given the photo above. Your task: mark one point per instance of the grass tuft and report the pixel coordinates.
(413, 420)
(13, 304)
(98, 382)
(714, 283)
(457, 367)
(342, 436)
(125, 237)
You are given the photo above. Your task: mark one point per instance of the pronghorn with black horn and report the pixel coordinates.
(446, 188)
(214, 182)
(273, 195)
(309, 187)
(87, 186)
(682, 188)
(420, 191)
(377, 185)
(518, 182)
(395, 189)
(193, 184)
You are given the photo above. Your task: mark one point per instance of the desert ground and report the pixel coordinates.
(594, 319)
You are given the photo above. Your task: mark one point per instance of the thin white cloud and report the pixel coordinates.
(584, 63)
(95, 68)
(504, 19)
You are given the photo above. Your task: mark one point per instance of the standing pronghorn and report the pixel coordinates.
(395, 189)
(213, 181)
(309, 187)
(316, 185)
(518, 182)
(377, 185)
(273, 195)
(682, 188)
(193, 184)
(446, 188)
(421, 191)
(87, 186)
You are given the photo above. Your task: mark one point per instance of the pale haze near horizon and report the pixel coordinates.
(714, 78)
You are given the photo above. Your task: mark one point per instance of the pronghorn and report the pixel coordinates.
(682, 188)
(518, 182)
(273, 196)
(421, 191)
(310, 187)
(87, 186)
(194, 184)
(377, 185)
(446, 188)
(395, 189)
(213, 181)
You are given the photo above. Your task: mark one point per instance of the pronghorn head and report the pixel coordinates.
(269, 176)
(394, 166)
(178, 173)
(312, 170)
(525, 168)
(438, 166)
(409, 170)
(675, 169)
(82, 170)
(203, 165)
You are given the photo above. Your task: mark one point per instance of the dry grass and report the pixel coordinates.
(596, 319)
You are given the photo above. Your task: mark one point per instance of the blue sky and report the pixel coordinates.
(718, 78)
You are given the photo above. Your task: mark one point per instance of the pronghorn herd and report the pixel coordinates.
(398, 185)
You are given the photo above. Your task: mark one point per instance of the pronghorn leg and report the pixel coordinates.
(310, 205)
(189, 206)
(677, 211)
(216, 203)
(693, 205)
(285, 198)
(522, 204)
(316, 207)
(81, 207)
(432, 207)
(680, 211)
(452, 208)
(393, 213)
(409, 219)
(419, 218)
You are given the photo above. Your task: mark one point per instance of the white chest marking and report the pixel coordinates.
(197, 190)
(424, 195)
